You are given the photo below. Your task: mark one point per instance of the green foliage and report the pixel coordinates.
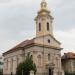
(1, 72)
(25, 67)
(19, 69)
(66, 73)
(1, 63)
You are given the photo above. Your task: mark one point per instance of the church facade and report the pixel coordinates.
(44, 48)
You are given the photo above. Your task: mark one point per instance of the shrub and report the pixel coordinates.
(25, 67)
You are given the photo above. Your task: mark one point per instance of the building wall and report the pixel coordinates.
(69, 65)
(44, 40)
(11, 60)
(55, 58)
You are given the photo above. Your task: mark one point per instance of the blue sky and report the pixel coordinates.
(17, 22)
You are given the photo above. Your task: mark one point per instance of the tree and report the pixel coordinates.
(67, 73)
(19, 69)
(25, 67)
(1, 72)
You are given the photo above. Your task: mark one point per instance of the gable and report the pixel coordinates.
(47, 40)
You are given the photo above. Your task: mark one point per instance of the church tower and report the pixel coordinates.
(44, 21)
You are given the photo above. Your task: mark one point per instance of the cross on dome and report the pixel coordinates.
(43, 4)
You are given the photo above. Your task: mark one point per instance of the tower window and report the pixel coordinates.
(47, 26)
(48, 56)
(39, 26)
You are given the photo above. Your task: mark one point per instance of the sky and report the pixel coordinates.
(17, 22)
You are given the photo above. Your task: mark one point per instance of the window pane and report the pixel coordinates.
(48, 56)
(39, 26)
(47, 26)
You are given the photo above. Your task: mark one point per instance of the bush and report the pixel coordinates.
(66, 73)
(1, 72)
(25, 67)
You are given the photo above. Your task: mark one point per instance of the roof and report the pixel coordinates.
(68, 55)
(28, 43)
(20, 46)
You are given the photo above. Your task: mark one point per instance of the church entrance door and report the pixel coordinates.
(50, 72)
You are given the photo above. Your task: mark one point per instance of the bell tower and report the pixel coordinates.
(43, 21)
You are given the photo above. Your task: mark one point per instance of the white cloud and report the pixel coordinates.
(55, 2)
(67, 39)
(17, 20)
(8, 44)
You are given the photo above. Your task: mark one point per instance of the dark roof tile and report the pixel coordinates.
(68, 55)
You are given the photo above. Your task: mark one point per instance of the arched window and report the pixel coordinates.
(47, 26)
(17, 60)
(7, 64)
(39, 26)
(48, 56)
(11, 63)
(39, 60)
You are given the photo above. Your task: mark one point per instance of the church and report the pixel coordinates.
(44, 48)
